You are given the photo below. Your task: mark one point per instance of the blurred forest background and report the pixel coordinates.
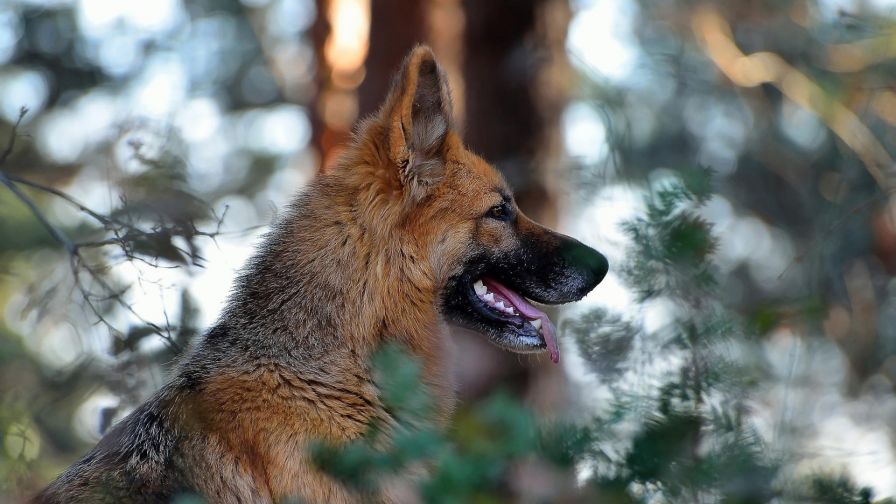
(734, 159)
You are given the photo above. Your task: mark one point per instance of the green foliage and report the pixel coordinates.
(665, 445)
(468, 462)
(672, 243)
(692, 443)
(830, 488)
(187, 499)
(605, 340)
(837, 490)
(680, 436)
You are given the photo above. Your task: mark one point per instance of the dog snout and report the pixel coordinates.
(589, 265)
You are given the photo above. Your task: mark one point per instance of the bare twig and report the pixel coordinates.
(76, 261)
(715, 36)
(54, 232)
(103, 219)
(90, 279)
(11, 143)
(843, 219)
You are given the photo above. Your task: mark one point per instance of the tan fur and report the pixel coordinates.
(359, 261)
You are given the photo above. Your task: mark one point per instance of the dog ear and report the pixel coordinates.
(418, 113)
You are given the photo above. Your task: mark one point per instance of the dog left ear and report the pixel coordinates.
(418, 112)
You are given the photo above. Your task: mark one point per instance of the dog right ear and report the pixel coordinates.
(418, 115)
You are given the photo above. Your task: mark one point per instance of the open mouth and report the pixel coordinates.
(492, 292)
(533, 329)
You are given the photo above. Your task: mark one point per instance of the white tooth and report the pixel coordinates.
(500, 305)
(536, 323)
(510, 310)
(479, 287)
(489, 297)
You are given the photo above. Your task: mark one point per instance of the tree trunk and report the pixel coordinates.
(395, 27)
(514, 58)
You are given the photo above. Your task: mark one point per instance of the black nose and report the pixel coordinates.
(590, 265)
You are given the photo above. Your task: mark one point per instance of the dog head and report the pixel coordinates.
(486, 259)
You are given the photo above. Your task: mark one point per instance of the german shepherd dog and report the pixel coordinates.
(407, 232)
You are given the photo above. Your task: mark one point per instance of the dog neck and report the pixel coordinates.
(329, 286)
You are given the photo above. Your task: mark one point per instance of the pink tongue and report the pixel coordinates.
(530, 312)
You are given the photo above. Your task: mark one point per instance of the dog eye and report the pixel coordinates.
(499, 212)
